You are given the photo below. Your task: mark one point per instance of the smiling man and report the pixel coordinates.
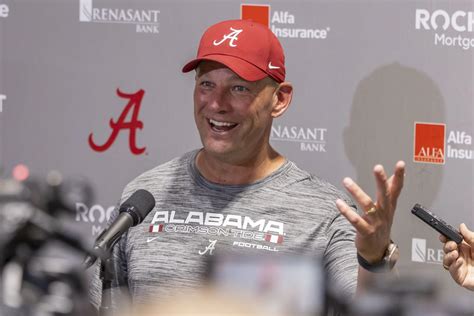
(234, 119)
(238, 194)
(240, 89)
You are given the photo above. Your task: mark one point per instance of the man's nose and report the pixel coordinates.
(220, 101)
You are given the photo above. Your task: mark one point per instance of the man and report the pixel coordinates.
(238, 194)
(459, 259)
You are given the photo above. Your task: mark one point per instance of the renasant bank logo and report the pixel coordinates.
(441, 21)
(283, 23)
(421, 253)
(310, 139)
(145, 21)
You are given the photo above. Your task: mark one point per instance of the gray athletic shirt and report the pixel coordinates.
(288, 212)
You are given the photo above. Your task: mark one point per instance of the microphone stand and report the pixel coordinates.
(107, 272)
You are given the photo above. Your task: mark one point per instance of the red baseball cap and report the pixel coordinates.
(249, 49)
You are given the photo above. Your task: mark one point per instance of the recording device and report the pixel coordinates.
(131, 213)
(437, 223)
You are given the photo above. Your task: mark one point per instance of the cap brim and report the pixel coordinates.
(242, 68)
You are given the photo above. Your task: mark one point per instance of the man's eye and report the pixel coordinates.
(240, 88)
(206, 84)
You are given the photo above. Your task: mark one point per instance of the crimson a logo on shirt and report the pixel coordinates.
(134, 103)
(217, 224)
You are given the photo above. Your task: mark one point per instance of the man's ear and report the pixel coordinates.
(282, 99)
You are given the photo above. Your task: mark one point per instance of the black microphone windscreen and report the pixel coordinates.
(142, 201)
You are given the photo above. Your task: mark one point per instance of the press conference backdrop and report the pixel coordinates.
(93, 88)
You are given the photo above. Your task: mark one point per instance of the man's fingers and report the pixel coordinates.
(450, 246)
(450, 258)
(443, 239)
(458, 263)
(358, 222)
(382, 185)
(359, 195)
(397, 179)
(467, 234)
(456, 271)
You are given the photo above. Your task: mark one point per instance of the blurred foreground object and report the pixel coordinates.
(31, 283)
(407, 296)
(297, 286)
(284, 285)
(202, 302)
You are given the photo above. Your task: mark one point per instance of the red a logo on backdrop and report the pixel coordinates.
(134, 103)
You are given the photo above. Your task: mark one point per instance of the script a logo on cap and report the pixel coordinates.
(232, 36)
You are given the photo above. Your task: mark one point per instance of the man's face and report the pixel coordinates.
(233, 116)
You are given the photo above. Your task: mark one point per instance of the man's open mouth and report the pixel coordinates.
(219, 126)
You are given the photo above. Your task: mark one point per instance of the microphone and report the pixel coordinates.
(131, 213)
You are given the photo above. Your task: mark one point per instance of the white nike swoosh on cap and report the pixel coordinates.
(150, 239)
(272, 67)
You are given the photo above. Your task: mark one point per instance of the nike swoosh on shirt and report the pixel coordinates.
(150, 239)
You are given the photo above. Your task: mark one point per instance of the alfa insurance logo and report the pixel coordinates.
(448, 28)
(434, 144)
(145, 21)
(423, 254)
(282, 23)
(429, 143)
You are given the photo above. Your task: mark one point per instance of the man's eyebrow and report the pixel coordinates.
(234, 77)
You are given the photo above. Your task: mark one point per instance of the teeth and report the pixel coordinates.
(217, 123)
